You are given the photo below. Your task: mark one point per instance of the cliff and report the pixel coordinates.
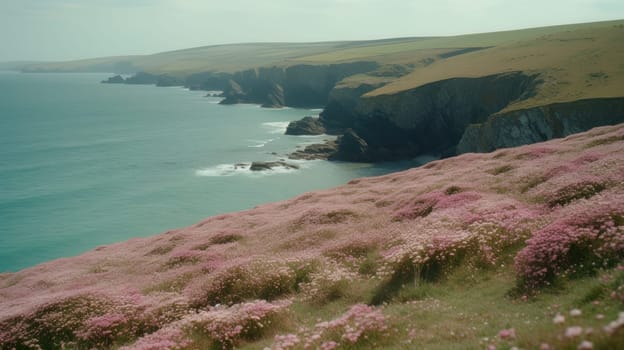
(295, 86)
(456, 116)
(427, 120)
(518, 248)
(541, 123)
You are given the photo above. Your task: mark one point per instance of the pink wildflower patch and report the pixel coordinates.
(360, 322)
(228, 325)
(168, 338)
(582, 241)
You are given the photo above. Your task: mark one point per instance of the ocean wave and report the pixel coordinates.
(276, 127)
(259, 143)
(224, 170)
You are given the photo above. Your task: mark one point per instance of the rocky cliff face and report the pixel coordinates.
(540, 124)
(429, 119)
(295, 86)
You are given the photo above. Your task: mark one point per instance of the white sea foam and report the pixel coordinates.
(259, 143)
(276, 127)
(224, 170)
(242, 169)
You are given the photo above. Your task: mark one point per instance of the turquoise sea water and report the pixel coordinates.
(84, 164)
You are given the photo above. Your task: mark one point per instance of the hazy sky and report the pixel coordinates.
(70, 29)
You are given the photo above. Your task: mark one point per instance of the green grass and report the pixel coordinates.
(465, 308)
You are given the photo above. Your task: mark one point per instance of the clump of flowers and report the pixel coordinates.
(53, 324)
(579, 243)
(415, 209)
(582, 189)
(102, 330)
(360, 324)
(615, 326)
(87, 321)
(183, 257)
(327, 284)
(452, 197)
(266, 280)
(227, 325)
(166, 338)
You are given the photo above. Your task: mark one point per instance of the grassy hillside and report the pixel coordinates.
(236, 57)
(574, 64)
(519, 248)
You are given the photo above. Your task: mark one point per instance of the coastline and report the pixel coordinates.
(70, 213)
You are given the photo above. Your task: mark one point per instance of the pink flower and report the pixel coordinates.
(575, 312)
(545, 346)
(585, 345)
(558, 319)
(507, 333)
(329, 345)
(573, 332)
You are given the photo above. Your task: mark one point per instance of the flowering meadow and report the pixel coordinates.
(521, 248)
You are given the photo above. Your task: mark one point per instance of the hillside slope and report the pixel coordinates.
(521, 247)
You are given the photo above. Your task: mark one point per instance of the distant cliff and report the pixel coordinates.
(299, 85)
(295, 86)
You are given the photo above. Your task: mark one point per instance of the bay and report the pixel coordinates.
(84, 164)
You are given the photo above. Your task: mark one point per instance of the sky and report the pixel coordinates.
(75, 29)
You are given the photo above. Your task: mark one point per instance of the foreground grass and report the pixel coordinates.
(468, 310)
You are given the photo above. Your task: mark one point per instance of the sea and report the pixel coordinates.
(84, 164)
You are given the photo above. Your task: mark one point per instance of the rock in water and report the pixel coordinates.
(351, 147)
(316, 151)
(260, 166)
(306, 126)
(117, 79)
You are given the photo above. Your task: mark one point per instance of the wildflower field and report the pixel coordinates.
(521, 248)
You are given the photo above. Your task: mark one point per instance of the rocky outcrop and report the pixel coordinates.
(263, 166)
(316, 151)
(340, 112)
(306, 126)
(165, 80)
(351, 147)
(208, 81)
(234, 93)
(275, 96)
(142, 78)
(117, 79)
(430, 119)
(539, 124)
